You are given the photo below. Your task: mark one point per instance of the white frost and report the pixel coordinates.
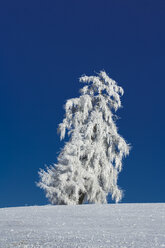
(90, 161)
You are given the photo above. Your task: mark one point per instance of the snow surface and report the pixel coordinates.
(92, 226)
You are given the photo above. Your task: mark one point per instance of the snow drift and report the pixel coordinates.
(92, 226)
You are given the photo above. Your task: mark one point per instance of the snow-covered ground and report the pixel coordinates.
(93, 226)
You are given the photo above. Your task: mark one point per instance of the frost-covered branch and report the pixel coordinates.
(90, 161)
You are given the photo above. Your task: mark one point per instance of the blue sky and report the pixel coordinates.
(45, 47)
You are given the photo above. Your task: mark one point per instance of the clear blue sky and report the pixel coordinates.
(45, 46)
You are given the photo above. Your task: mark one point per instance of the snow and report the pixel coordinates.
(89, 163)
(92, 226)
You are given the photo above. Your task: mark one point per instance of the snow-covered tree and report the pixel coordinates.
(88, 165)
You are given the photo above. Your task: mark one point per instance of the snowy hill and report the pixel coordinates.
(93, 226)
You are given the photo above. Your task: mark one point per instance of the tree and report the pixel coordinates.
(89, 163)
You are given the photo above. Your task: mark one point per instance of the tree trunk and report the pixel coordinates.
(81, 198)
